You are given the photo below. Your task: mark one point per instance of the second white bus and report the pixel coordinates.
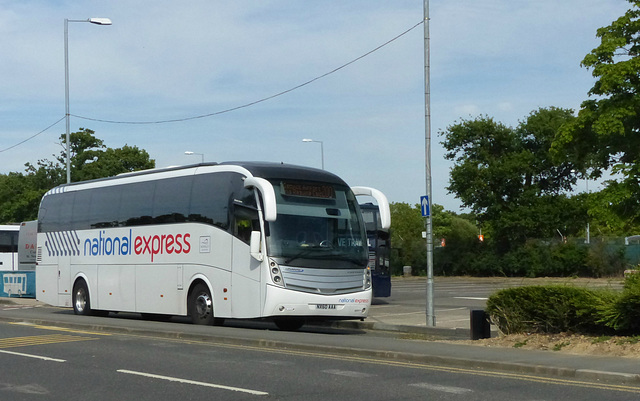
(210, 241)
(9, 246)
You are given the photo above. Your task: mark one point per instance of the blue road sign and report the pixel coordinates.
(424, 206)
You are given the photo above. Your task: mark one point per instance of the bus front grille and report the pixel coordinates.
(323, 281)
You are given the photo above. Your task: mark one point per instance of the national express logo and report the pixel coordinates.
(67, 243)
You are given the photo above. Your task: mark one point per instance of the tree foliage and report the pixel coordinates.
(508, 177)
(91, 159)
(20, 193)
(606, 133)
(407, 225)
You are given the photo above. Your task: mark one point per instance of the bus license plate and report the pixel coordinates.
(325, 306)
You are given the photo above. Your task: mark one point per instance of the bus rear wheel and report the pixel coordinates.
(200, 306)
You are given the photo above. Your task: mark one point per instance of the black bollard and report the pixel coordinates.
(480, 325)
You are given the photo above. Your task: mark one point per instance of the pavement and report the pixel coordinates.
(400, 337)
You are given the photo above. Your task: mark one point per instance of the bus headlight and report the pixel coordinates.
(367, 278)
(276, 274)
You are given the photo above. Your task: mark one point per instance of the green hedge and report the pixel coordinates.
(555, 309)
(623, 314)
(535, 258)
(548, 309)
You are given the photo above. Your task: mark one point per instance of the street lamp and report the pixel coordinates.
(431, 317)
(321, 149)
(97, 21)
(189, 153)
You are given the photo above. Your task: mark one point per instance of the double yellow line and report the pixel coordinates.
(39, 340)
(27, 341)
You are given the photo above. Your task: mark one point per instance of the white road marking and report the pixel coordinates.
(472, 298)
(400, 314)
(44, 358)
(443, 389)
(197, 383)
(347, 373)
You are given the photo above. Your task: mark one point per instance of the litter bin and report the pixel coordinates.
(480, 325)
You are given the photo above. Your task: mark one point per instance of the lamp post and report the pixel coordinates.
(431, 317)
(189, 153)
(97, 21)
(321, 149)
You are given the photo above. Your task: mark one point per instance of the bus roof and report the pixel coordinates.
(267, 170)
(287, 171)
(10, 227)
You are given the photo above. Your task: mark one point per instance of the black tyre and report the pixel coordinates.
(80, 298)
(200, 305)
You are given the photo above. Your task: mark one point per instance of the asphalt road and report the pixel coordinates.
(51, 363)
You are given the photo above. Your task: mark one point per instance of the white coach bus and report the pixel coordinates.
(210, 241)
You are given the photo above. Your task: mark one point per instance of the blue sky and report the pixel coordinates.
(163, 60)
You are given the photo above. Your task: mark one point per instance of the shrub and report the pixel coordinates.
(623, 314)
(548, 309)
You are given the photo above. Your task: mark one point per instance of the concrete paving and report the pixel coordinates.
(400, 336)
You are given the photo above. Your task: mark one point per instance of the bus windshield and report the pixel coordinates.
(317, 225)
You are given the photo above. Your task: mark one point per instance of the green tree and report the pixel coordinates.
(606, 133)
(91, 159)
(407, 225)
(20, 193)
(507, 176)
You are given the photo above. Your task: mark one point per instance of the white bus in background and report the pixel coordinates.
(211, 241)
(9, 246)
(27, 245)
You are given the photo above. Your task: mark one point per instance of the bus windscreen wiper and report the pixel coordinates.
(346, 258)
(302, 253)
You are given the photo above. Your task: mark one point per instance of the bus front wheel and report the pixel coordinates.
(200, 306)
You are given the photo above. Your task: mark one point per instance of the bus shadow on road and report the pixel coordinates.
(378, 301)
(165, 322)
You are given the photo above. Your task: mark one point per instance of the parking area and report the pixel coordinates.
(454, 298)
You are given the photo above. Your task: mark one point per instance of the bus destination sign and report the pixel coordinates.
(309, 190)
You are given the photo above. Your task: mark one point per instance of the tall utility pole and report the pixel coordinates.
(431, 317)
(97, 21)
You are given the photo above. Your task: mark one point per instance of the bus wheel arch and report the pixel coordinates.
(200, 305)
(80, 297)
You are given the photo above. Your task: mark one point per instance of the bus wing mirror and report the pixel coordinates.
(383, 203)
(255, 246)
(268, 196)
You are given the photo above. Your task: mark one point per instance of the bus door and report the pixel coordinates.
(64, 275)
(246, 270)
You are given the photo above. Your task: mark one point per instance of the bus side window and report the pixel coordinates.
(245, 221)
(9, 241)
